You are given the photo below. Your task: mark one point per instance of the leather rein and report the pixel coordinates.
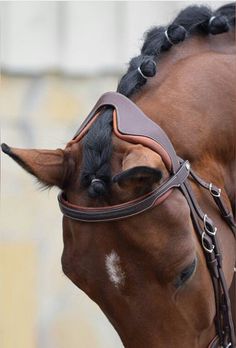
(132, 125)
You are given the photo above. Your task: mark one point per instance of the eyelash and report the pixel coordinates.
(185, 274)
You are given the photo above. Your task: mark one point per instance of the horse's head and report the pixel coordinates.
(129, 231)
(147, 272)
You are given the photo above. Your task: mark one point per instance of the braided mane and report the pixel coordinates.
(97, 145)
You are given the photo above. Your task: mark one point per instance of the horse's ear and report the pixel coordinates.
(48, 166)
(141, 169)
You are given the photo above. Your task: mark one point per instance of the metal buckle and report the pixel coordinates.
(214, 194)
(203, 243)
(212, 233)
(187, 165)
(228, 345)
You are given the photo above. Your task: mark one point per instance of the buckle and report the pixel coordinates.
(208, 227)
(216, 192)
(187, 165)
(204, 241)
(228, 345)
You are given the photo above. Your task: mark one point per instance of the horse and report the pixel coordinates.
(160, 276)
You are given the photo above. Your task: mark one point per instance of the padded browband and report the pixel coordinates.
(132, 125)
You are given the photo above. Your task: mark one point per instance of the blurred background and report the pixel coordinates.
(57, 58)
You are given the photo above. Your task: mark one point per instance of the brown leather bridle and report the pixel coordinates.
(132, 125)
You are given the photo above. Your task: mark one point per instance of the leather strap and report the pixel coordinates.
(125, 210)
(224, 322)
(214, 343)
(216, 194)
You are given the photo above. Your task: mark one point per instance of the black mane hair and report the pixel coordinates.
(97, 146)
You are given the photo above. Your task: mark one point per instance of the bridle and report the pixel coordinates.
(132, 125)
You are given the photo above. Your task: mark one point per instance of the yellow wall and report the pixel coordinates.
(17, 295)
(39, 306)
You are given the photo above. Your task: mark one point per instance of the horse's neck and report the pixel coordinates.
(193, 100)
(224, 43)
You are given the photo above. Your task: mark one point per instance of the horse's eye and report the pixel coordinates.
(185, 274)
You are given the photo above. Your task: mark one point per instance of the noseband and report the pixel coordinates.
(132, 125)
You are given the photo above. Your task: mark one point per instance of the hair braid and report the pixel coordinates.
(194, 20)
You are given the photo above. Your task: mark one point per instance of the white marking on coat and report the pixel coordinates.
(114, 270)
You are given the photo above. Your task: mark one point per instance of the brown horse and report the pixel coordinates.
(148, 272)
